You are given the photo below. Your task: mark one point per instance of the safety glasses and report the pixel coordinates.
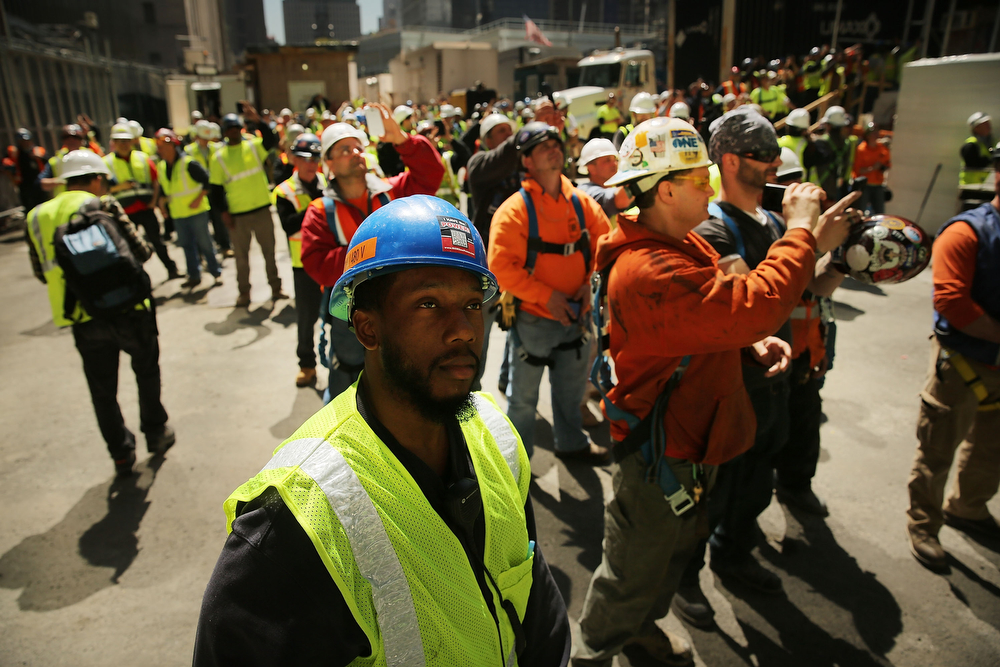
(700, 182)
(763, 155)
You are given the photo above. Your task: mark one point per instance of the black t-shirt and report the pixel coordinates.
(757, 240)
(271, 600)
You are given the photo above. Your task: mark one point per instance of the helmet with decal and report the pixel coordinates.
(655, 148)
(883, 249)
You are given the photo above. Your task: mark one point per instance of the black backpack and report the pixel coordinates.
(100, 269)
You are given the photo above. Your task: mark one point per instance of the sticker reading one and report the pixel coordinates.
(359, 253)
(456, 236)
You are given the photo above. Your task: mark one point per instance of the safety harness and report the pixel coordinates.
(971, 378)
(715, 210)
(330, 360)
(642, 435)
(537, 246)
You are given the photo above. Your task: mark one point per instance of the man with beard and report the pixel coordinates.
(395, 525)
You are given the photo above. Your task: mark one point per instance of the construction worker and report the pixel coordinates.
(136, 188)
(871, 161)
(23, 164)
(679, 331)
(352, 195)
(642, 108)
(493, 172)
(681, 110)
(599, 160)
(811, 77)
(73, 138)
(960, 403)
(609, 117)
(240, 191)
(201, 150)
(838, 144)
(425, 552)
(100, 339)
(797, 138)
(284, 166)
(771, 97)
(734, 84)
(388, 158)
(292, 198)
(184, 187)
(542, 244)
(140, 142)
(977, 151)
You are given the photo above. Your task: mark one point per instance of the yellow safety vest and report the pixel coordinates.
(293, 191)
(181, 190)
(55, 162)
(608, 118)
(240, 169)
(969, 176)
(147, 145)
(449, 189)
(771, 101)
(400, 568)
(136, 170)
(203, 158)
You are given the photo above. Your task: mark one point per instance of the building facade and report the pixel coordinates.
(309, 20)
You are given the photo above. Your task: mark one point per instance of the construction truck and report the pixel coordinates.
(623, 72)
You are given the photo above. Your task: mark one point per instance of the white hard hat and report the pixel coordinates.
(196, 115)
(665, 95)
(594, 149)
(790, 164)
(401, 113)
(518, 105)
(136, 128)
(491, 121)
(338, 131)
(346, 113)
(727, 98)
(459, 112)
(121, 131)
(292, 132)
(978, 118)
(447, 111)
(285, 112)
(642, 103)
(328, 115)
(216, 131)
(798, 118)
(310, 112)
(203, 129)
(81, 163)
(121, 119)
(658, 146)
(680, 110)
(836, 116)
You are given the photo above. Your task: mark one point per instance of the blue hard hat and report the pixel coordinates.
(406, 233)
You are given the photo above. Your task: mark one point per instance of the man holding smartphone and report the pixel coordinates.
(542, 243)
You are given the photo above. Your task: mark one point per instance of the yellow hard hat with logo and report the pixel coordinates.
(656, 147)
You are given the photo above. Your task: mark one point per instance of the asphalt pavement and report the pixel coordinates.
(94, 572)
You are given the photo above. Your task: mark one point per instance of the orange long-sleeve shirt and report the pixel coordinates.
(669, 300)
(954, 268)
(557, 223)
(865, 157)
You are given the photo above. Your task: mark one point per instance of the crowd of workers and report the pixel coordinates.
(630, 247)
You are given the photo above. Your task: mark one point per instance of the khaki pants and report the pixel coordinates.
(948, 418)
(260, 224)
(646, 548)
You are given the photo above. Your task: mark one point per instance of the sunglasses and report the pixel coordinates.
(764, 155)
(700, 182)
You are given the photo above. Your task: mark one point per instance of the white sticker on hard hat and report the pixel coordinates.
(456, 236)
(858, 258)
(686, 145)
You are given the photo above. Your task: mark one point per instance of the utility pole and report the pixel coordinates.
(727, 38)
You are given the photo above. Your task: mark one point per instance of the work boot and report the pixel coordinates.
(592, 454)
(691, 606)
(123, 467)
(243, 300)
(663, 648)
(803, 499)
(306, 377)
(987, 527)
(278, 295)
(160, 442)
(927, 550)
(751, 574)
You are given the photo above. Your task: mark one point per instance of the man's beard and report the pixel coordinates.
(414, 386)
(751, 177)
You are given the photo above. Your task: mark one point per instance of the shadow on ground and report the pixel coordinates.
(241, 318)
(89, 550)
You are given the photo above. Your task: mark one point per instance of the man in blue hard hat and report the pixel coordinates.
(365, 536)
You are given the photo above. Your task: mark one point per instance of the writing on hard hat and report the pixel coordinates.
(594, 149)
(401, 113)
(120, 131)
(338, 131)
(642, 103)
(884, 249)
(655, 148)
(836, 117)
(680, 110)
(408, 233)
(790, 167)
(82, 163)
(978, 118)
(491, 121)
(798, 118)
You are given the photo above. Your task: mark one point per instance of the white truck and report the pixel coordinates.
(624, 72)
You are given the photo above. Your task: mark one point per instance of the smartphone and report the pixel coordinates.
(859, 183)
(575, 306)
(239, 108)
(373, 118)
(773, 195)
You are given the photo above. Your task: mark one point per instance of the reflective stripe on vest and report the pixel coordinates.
(969, 176)
(240, 175)
(292, 191)
(181, 189)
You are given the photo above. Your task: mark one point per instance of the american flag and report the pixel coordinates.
(533, 34)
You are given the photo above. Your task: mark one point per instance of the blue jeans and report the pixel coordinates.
(567, 376)
(193, 237)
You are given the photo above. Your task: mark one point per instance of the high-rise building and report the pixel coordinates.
(206, 43)
(244, 22)
(390, 15)
(428, 13)
(309, 20)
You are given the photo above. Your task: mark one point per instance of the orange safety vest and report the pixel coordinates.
(807, 331)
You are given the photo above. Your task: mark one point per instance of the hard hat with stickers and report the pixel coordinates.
(657, 147)
(883, 249)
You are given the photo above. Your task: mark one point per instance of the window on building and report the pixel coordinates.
(149, 12)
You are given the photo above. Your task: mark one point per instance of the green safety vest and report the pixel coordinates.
(240, 169)
(293, 191)
(181, 190)
(194, 150)
(798, 145)
(969, 176)
(812, 77)
(135, 169)
(400, 568)
(843, 164)
(715, 180)
(42, 223)
(771, 101)
(608, 118)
